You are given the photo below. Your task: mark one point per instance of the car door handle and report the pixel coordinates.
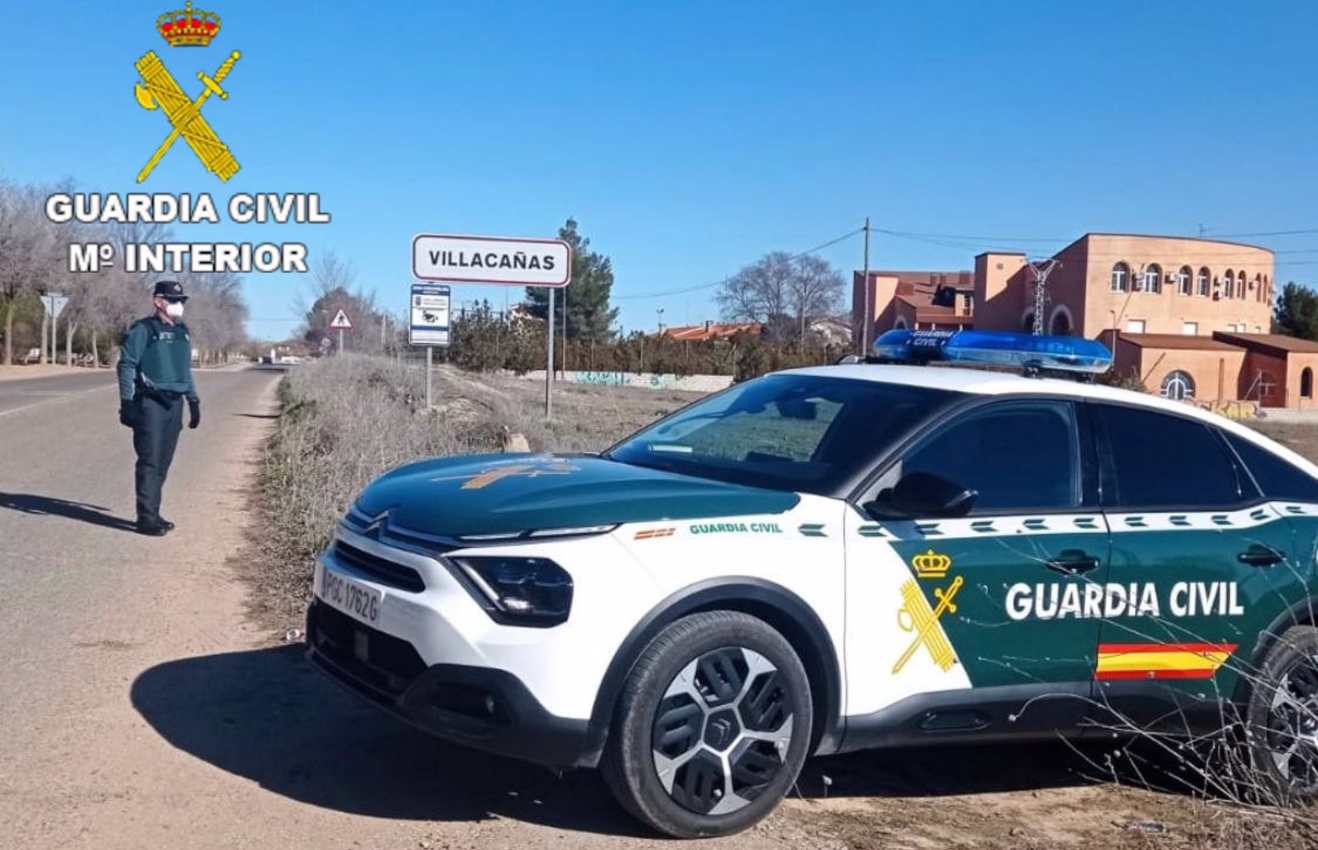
(1073, 562)
(1259, 555)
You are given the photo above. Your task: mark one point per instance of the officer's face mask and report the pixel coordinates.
(174, 309)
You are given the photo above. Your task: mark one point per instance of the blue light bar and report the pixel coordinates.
(995, 348)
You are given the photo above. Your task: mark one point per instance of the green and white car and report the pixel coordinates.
(834, 559)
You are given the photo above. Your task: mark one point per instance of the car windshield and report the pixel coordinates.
(785, 432)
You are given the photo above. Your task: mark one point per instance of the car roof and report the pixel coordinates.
(986, 382)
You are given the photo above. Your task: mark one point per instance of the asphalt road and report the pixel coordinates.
(26, 393)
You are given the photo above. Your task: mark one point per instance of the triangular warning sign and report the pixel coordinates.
(341, 321)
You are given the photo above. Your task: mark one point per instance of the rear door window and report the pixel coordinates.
(1164, 461)
(1276, 477)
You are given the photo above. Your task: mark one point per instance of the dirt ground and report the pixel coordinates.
(1023, 796)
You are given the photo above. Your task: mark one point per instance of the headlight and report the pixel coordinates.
(520, 591)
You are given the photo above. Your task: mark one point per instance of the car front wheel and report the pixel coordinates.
(712, 726)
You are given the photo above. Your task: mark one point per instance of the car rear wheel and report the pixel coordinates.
(1283, 716)
(712, 726)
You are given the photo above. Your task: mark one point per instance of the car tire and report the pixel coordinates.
(1283, 717)
(712, 726)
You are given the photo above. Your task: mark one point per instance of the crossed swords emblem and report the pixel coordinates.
(916, 615)
(159, 90)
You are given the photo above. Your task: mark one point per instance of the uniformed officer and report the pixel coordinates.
(155, 378)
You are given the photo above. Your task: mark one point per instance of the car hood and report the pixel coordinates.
(508, 493)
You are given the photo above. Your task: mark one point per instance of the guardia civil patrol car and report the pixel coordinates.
(838, 558)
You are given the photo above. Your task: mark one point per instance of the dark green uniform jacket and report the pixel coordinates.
(158, 356)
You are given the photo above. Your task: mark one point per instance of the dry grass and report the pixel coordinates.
(345, 420)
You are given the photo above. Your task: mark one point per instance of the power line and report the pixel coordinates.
(911, 234)
(798, 255)
(1301, 232)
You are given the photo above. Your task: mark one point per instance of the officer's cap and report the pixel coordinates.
(170, 290)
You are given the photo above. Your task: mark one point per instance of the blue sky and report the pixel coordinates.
(690, 138)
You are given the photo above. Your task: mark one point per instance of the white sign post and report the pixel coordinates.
(54, 303)
(429, 324)
(341, 323)
(502, 261)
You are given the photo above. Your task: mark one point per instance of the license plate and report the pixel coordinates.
(351, 597)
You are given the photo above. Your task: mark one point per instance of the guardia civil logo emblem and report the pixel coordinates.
(158, 90)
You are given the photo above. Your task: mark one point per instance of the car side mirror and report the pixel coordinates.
(922, 494)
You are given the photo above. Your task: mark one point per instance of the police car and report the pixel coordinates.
(839, 558)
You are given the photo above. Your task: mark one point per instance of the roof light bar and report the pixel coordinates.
(996, 348)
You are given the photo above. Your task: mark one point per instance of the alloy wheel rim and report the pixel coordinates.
(722, 731)
(1292, 728)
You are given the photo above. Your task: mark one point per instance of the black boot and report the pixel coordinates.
(151, 529)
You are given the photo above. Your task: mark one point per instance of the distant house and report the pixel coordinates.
(712, 330)
(831, 330)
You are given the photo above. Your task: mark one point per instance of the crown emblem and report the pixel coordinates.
(188, 27)
(931, 564)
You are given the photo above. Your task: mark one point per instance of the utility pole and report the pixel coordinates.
(865, 283)
(565, 333)
(1041, 269)
(660, 313)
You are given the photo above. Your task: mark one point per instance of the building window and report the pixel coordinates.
(1306, 383)
(1134, 326)
(1190, 328)
(1178, 386)
(1120, 277)
(1152, 278)
(1184, 278)
(1204, 277)
(900, 324)
(1229, 290)
(1027, 323)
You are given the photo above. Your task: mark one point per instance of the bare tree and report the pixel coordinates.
(759, 292)
(29, 252)
(780, 287)
(815, 289)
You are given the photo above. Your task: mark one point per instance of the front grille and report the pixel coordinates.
(384, 662)
(383, 570)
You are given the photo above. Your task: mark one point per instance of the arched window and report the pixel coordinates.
(1306, 383)
(1229, 284)
(1202, 282)
(1152, 278)
(1061, 323)
(1184, 279)
(1120, 277)
(1240, 284)
(1027, 323)
(1257, 286)
(900, 324)
(1177, 386)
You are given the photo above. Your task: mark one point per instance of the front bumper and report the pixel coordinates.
(479, 707)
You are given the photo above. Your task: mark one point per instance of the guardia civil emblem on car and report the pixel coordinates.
(874, 554)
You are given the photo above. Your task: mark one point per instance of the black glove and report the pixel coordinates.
(128, 413)
(194, 412)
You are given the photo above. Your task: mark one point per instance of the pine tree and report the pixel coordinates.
(1296, 312)
(589, 317)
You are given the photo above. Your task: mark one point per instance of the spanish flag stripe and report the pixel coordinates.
(1117, 675)
(1116, 648)
(1161, 660)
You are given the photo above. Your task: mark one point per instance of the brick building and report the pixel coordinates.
(1191, 318)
